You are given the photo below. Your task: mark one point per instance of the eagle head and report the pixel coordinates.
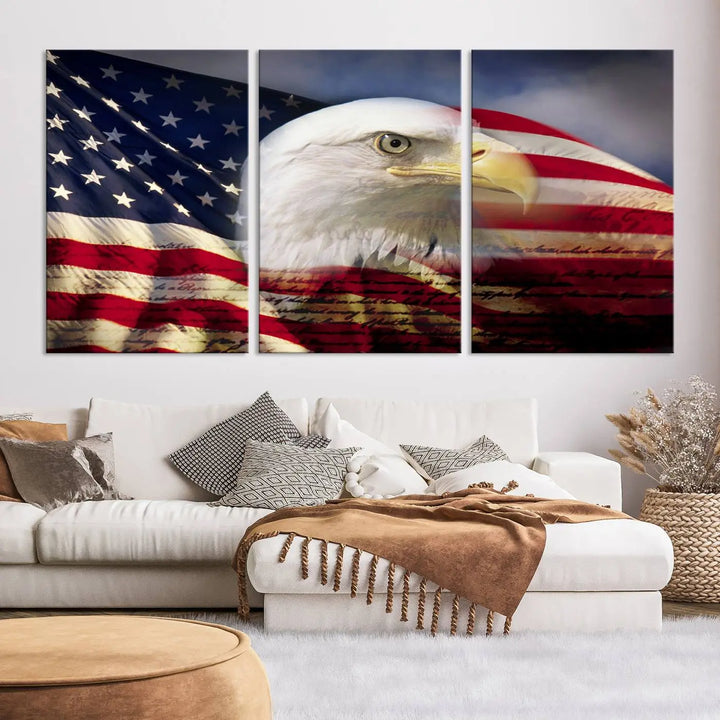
(373, 179)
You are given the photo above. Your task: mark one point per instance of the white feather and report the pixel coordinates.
(327, 199)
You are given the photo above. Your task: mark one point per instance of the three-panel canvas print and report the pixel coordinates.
(370, 209)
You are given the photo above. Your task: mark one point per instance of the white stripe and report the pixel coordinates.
(116, 231)
(534, 144)
(145, 288)
(270, 344)
(573, 191)
(118, 338)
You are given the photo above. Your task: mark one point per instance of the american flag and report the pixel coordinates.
(587, 268)
(143, 175)
(143, 190)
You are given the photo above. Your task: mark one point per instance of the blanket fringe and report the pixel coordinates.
(323, 562)
(422, 592)
(471, 620)
(436, 612)
(338, 567)
(455, 613)
(405, 597)
(390, 588)
(355, 573)
(510, 486)
(286, 547)
(241, 568)
(489, 624)
(304, 558)
(371, 579)
(244, 606)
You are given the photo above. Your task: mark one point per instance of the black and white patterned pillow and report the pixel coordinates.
(433, 462)
(214, 459)
(277, 476)
(15, 416)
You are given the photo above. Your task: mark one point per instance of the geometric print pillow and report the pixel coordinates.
(277, 476)
(214, 459)
(433, 463)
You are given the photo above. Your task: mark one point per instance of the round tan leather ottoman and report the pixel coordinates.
(123, 667)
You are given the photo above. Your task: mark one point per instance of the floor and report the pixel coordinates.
(670, 609)
(682, 609)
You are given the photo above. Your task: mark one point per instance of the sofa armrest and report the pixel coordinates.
(588, 477)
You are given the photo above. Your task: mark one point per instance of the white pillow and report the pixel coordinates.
(500, 473)
(377, 470)
(143, 436)
(342, 434)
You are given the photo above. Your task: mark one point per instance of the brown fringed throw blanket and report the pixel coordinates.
(477, 543)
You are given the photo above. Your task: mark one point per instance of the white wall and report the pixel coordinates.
(575, 391)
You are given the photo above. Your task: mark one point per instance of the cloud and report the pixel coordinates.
(622, 105)
(335, 76)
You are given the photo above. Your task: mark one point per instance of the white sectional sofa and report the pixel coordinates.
(168, 549)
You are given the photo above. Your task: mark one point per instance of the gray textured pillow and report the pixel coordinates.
(54, 473)
(433, 462)
(15, 416)
(214, 459)
(276, 476)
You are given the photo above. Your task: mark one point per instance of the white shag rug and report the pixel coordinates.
(533, 676)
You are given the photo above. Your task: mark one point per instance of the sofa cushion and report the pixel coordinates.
(501, 474)
(213, 460)
(144, 435)
(378, 469)
(24, 430)
(278, 475)
(604, 555)
(17, 532)
(512, 424)
(435, 462)
(142, 531)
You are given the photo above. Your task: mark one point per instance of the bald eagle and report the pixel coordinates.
(375, 180)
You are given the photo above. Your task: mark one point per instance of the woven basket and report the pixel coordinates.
(692, 520)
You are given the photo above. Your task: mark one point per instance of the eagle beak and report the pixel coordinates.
(495, 166)
(498, 166)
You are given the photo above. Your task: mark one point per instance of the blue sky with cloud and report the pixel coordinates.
(619, 100)
(336, 76)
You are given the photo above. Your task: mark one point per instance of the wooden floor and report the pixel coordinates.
(670, 609)
(683, 609)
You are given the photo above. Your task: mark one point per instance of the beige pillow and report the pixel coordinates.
(24, 430)
(55, 473)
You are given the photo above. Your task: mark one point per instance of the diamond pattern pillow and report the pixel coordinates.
(214, 459)
(433, 462)
(277, 476)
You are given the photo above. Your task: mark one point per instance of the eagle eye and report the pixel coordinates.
(391, 143)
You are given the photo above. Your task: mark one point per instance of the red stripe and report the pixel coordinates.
(560, 167)
(331, 337)
(496, 120)
(573, 218)
(158, 263)
(99, 349)
(206, 314)
(365, 282)
(561, 281)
